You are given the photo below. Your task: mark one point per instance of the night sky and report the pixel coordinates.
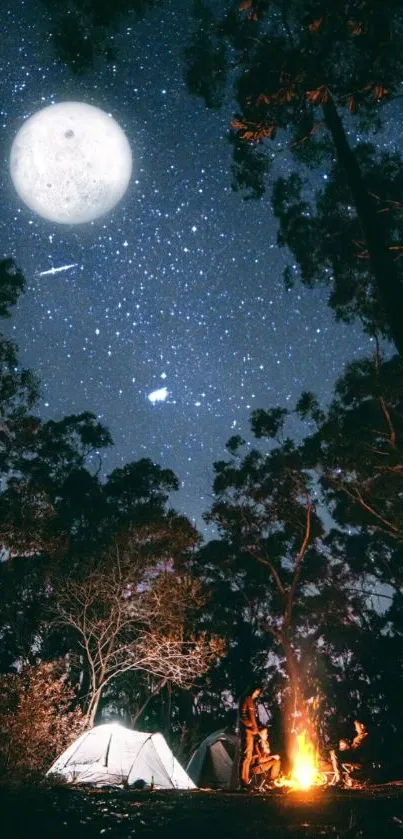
(179, 287)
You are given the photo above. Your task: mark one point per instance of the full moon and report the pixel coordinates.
(70, 163)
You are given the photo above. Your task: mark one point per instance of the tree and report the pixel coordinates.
(265, 514)
(18, 387)
(56, 513)
(37, 461)
(238, 605)
(307, 592)
(137, 493)
(82, 31)
(297, 66)
(357, 449)
(323, 232)
(38, 719)
(206, 59)
(132, 612)
(24, 596)
(106, 558)
(47, 463)
(353, 455)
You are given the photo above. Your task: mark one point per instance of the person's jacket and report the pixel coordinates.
(363, 746)
(248, 715)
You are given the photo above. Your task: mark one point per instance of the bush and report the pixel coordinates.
(37, 720)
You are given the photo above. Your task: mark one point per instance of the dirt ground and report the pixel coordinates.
(78, 814)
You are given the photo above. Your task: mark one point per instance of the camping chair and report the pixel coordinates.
(261, 777)
(352, 774)
(259, 782)
(359, 773)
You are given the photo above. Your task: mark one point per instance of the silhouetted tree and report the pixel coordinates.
(323, 231)
(265, 514)
(357, 451)
(83, 30)
(296, 67)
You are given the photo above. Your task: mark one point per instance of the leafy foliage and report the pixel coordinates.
(82, 28)
(206, 60)
(358, 449)
(324, 233)
(270, 538)
(37, 719)
(298, 69)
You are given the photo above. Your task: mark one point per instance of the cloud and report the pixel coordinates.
(159, 395)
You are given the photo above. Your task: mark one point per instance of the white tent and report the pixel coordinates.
(113, 754)
(214, 763)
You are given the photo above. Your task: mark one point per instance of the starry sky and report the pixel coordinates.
(179, 287)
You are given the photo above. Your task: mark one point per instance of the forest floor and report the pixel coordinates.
(202, 814)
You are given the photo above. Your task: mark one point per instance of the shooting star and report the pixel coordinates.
(57, 270)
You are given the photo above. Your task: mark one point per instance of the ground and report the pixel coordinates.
(374, 813)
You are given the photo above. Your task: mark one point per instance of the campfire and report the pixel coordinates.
(305, 772)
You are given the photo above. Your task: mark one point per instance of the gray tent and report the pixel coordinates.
(214, 763)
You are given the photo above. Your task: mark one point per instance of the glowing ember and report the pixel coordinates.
(304, 772)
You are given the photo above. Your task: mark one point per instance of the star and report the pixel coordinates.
(176, 285)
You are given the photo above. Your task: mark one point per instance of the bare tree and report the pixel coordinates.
(131, 614)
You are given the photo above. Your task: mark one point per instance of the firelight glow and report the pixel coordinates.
(304, 770)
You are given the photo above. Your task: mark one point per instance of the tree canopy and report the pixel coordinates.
(300, 72)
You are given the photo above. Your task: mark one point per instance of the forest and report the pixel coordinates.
(111, 603)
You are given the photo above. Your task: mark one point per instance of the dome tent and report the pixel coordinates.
(111, 754)
(214, 763)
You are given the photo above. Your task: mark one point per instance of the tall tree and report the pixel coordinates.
(322, 230)
(309, 591)
(266, 518)
(58, 516)
(357, 451)
(19, 389)
(47, 466)
(297, 67)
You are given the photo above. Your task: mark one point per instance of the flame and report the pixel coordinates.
(305, 770)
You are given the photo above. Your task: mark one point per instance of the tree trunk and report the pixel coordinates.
(386, 276)
(156, 689)
(99, 678)
(93, 707)
(295, 704)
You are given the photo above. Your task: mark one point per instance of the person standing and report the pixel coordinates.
(249, 729)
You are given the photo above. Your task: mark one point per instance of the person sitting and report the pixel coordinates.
(355, 753)
(263, 761)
